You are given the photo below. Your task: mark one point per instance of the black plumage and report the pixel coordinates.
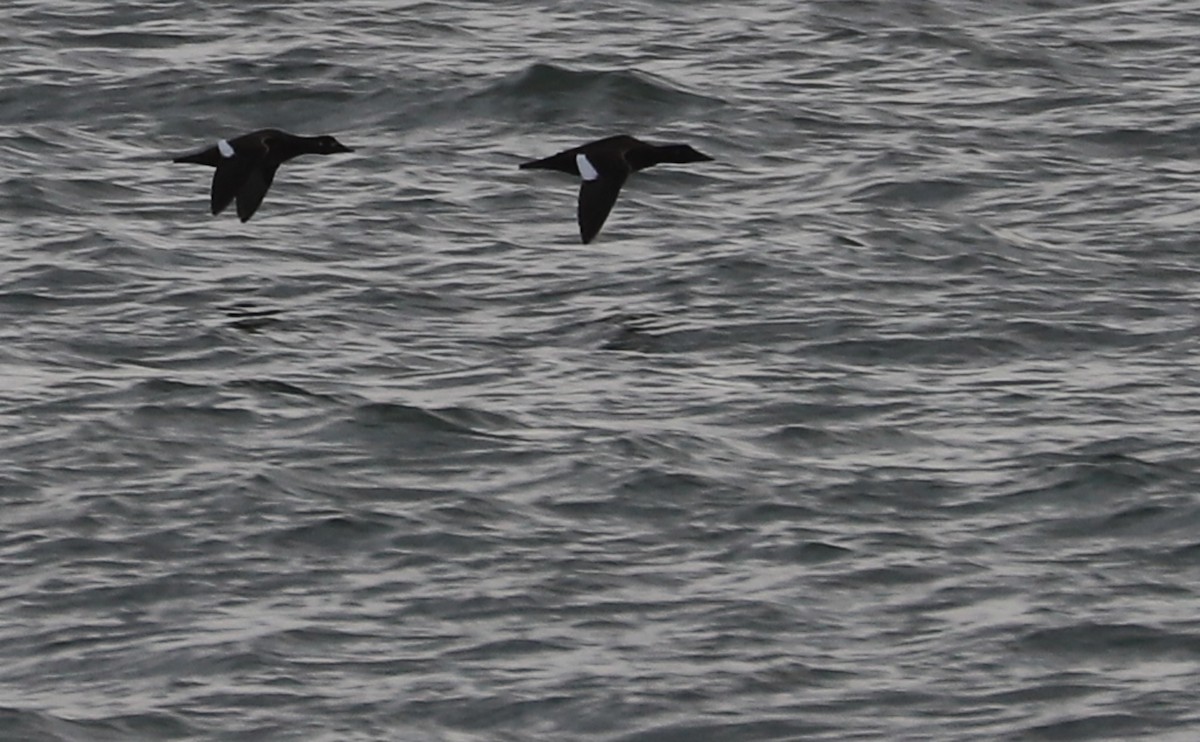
(246, 165)
(611, 160)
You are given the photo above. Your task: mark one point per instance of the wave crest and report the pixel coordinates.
(547, 93)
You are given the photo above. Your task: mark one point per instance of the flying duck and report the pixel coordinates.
(246, 165)
(604, 165)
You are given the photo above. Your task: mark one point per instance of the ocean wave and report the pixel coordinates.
(549, 93)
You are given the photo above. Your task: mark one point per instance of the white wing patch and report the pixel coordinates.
(225, 148)
(586, 169)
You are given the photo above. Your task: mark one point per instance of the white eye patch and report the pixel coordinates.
(225, 148)
(586, 169)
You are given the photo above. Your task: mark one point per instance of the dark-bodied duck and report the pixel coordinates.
(604, 165)
(246, 165)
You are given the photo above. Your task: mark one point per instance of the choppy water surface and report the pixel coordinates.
(881, 426)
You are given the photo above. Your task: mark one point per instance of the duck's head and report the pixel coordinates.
(327, 145)
(681, 153)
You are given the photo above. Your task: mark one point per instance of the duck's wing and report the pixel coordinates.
(603, 176)
(563, 162)
(210, 156)
(254, 187)
(239, 162)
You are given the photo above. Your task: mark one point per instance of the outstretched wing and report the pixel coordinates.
(563, 162)
(239, 160)
(603, 177)
(210, 156)
(254, 187)
(596, 199)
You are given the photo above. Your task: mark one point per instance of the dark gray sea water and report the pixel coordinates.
(883, 425)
